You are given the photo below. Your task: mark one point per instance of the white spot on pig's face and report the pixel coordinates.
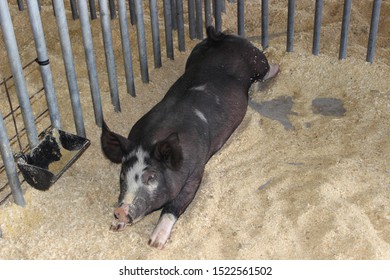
(136, 173)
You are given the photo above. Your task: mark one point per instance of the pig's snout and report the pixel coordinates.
(272, 72)
(122, 218)
(122, 215)
(129, 213)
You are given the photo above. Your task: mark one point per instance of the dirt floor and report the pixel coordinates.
(318, 188)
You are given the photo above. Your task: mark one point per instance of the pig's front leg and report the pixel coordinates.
(162, 231)
(171, 212)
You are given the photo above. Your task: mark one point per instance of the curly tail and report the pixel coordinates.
(213, 36)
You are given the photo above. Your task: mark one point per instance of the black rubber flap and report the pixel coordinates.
(56, 152)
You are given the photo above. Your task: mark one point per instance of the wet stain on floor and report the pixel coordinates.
(280, 108)
(328, 107)
(276, 109)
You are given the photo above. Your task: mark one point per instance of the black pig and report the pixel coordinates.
(164, 156)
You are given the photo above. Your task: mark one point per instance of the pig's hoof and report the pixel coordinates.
(156, 244)
(117, 226)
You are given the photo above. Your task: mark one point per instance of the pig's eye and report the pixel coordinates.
(151, 179)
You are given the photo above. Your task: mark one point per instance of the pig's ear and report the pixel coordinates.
(169, 152)
(114, 146)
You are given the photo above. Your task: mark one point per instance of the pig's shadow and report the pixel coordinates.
(277, 109)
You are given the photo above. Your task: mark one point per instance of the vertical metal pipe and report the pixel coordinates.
(344, 29)
(20, 5)
(317, 27)
(290, 25)
(126, 47)
(155, 33)
(264, 23)
(43, 61)
(168, 29)
(218, 15)
(9, 164)
(92, 9)
(376, 10)
(67, 55)
(241, 17)
(199, 19)
(91, 63)
(141, 41)
(207, 12)
(73, 7)
(180, 25)
(109, 54)
(52, 4)
(174, 14)
(191, 19)
(133, 16)
(223, 6)
(17, 72)
(112, 9)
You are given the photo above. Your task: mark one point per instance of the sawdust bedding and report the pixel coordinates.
(319, 190)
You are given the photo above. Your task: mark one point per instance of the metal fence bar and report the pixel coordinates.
(376, 10)
(73, 7)
(191, 19)
(174, 14)
(155, 33)
(223, 6)
(109, 54)
(43, 61)
(20, 5)
(112, 9)
(141, 41)
(91, 62)
(168, 29)
(344, 29)
(126, 49)
(207, 12)
(17, 71)
(67, 55)
(180, 25)
(290, 25)
(317, 27)
(12, 114)
(133, 16)
(92, 9)
(241, 17)
(218, 15)
(264, 24)
(9, 164)
(199, 19)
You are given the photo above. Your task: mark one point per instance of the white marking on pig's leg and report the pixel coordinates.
(199, 88)
(162, 231)
(200, 115)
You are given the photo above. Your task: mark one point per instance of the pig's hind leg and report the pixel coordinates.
(171, 212)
